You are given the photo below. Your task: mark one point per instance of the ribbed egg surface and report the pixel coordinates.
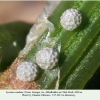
(47, 58)
(70, 19)
(27, 71)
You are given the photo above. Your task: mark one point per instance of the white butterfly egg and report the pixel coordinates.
(71, 19)
(27, 71)
(47, 58)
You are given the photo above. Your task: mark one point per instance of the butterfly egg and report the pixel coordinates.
(71, 19)
(47, 58)
(27, 71)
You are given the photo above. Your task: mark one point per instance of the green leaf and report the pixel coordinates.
(12, 40)
(79, 56)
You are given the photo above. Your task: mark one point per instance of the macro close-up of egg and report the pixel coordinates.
(50, 45)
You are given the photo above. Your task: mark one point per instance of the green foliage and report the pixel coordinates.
(79, 57)
(12, 40)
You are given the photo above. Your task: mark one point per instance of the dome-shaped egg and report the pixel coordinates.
(27, 71)
(47, 58)
(71, 19)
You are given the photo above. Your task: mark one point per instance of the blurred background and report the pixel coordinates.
(13, 31)
(26, 11)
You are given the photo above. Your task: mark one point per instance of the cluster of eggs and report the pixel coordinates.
(47, 58)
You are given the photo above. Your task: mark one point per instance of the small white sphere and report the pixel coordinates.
(47, 58)
(70, 19)
(27, 71)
